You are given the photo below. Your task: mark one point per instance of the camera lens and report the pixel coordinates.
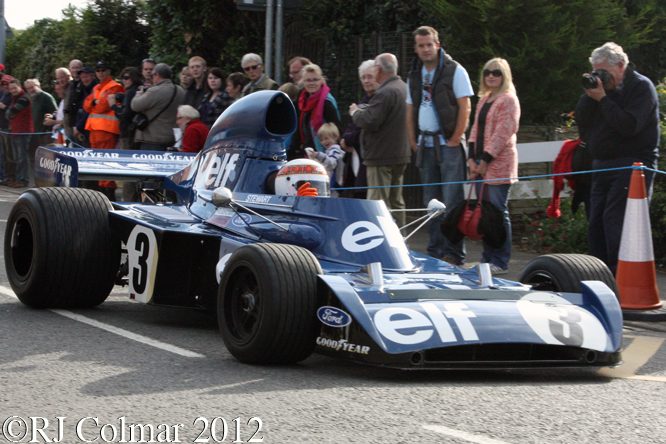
(590, 82)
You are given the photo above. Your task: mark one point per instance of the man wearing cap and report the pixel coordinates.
(88, 82)
(8, 162)
(102, 122)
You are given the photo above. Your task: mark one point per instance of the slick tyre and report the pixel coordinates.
(59, 248)
(564, 273)
(266, 304)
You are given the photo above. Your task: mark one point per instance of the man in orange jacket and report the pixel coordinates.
(102, 122)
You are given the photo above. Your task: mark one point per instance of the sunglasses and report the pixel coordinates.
(126, 77)
(100, 70)
(494, 73)
(147, 60)
(252, 68)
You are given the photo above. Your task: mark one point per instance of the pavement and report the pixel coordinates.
(519, 259)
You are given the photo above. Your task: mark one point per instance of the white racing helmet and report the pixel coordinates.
(296, 173)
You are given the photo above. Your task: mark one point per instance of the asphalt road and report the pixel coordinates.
(96, 375)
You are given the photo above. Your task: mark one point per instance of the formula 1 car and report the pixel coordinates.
(289, 274)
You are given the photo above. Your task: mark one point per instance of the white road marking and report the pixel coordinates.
(635, 356)
(478, 439)
(118, 331)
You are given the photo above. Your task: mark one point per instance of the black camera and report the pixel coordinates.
(120, 97)
(591, 81)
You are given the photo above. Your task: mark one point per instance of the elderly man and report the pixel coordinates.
(295, 67)
(197, 89)
(253, 66)
(160, 104)
(618, 117)
(43, 103)
(194, 130)
(20, 116)
(385, 143)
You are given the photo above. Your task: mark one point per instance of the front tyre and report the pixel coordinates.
(564, 273)
(266, 304)
(59, 248)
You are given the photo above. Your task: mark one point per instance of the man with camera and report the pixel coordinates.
(618, 117)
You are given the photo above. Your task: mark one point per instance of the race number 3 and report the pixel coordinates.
(142, 254)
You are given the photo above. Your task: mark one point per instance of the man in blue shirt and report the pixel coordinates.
(438, 110)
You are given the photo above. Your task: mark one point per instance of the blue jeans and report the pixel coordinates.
(452, 169)
(498, 195)
(20, 147)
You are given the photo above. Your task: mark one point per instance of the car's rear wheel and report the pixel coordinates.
(59, 248)
(266, 303)
(564, 273)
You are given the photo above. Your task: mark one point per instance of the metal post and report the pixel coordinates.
(269, 38)
(3, 32)
(278, 41)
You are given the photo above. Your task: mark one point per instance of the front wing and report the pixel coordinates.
(466, 329)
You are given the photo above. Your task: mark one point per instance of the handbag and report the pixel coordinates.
(468, 223)
(140, 121)
(475, 219)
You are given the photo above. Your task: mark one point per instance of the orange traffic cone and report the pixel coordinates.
(636, 276)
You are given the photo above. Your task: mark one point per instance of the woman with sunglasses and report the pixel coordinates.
(132, 79)
(316, 106)
(216, 99)
(492, 149)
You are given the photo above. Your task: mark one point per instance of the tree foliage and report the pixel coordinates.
(214, 29)
(114, 31)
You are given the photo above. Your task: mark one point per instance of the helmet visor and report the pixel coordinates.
(323, 188)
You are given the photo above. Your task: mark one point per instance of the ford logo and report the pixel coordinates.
(333, 316)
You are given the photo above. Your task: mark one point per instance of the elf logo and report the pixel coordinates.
(216, 170)
(407, 326)
(364, 235)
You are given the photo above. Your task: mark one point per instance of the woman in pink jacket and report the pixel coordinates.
(492, 153)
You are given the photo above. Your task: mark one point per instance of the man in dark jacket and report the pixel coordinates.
(160, 104)
(20, 117)
(438, 110)
(384, 141)
(620, 118)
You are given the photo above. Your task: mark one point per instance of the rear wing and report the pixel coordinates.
(66, 166)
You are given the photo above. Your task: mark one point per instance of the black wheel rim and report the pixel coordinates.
(243, 305)
(542, 281)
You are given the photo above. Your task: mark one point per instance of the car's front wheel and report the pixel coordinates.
(266, 303)
(564, 273)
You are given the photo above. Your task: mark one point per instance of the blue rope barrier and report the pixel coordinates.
(508, 178)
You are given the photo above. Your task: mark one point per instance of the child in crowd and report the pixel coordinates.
(329, 136)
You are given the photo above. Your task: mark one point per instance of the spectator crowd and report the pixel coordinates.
(146, 108)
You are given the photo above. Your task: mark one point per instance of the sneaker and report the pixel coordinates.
(495, 270)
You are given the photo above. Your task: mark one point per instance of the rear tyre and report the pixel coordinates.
(266, 304)
(564, 273)
(59, 248)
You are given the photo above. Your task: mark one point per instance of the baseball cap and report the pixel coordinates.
(87, 69)
(101, 65)
(2, 67)
(6, 78)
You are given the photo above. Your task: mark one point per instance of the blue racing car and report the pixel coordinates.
(226, 230)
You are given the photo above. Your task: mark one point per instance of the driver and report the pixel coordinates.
(302, 177)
